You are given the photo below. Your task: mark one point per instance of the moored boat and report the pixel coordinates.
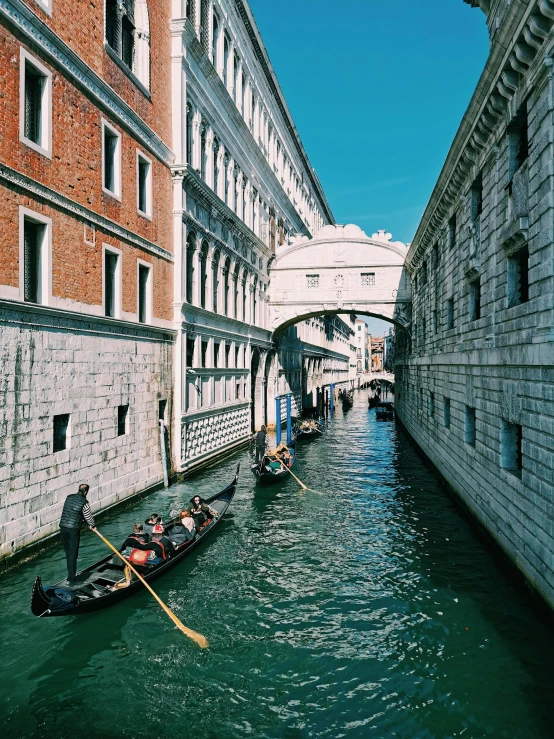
(96, 585)
(373, 400)
(384, 411)
(347, 400)
(270, 470)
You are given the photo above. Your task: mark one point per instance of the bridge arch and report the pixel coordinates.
(340, 270)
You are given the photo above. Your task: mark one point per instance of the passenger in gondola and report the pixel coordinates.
(137, 538)
(283, 454)
(184, 531)
(200, 511)
(158, 537)
(151, 522)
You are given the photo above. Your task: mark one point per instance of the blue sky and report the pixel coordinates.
(377, 90)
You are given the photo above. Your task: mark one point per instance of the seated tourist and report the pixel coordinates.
(159, 539)
(200, 511)
(183, 531)
(151, 522)
(135, 539)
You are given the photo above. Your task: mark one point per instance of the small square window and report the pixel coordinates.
(61, 432)
(144, 185)
(122, 415)
(312, 282)
(511, 446)
(446, 413)
(518, 277)
(35, 104)
(470, 432)
(111, 160)
(368, 279)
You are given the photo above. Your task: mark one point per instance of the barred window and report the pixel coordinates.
(312, 282)
(368, 279)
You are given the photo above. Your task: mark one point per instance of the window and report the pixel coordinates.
(190, 352)
(237, 350)
(46, 5)
(203, 273)
(35, 109)
(452, 232)
(368, 279)
(450, 313)
(420, 402)
(431, 404)
(191, 248)
(470, 434)
(216, 353)
(111, 160)
(475, 300)
(518, 277)
(61, 432)
(127, 35)
(227, 354)
(34, 257)
(446, 413)
(436, 257)
(511, 453)
(112, 284)
(144, 185)
(518, 141)
(477, 197)
(204, 348)
(312, 282)
(144, 293)
(435, 323)
(122, 415)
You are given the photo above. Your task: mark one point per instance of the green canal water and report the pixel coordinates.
(372, 609)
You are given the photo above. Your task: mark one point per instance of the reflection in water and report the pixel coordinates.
(370, 610)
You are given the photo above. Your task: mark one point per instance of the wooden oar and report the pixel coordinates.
(304, 487)
(194, 635)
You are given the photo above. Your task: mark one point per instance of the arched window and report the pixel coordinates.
(215, 41)
(203, 273)
(189, 133)
(225, 58)
(203, 152)
(128, 35)
(191, 248)
(215, 280)
(226, 270)
(236, 290)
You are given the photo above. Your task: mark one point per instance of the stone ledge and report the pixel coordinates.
(515, 235)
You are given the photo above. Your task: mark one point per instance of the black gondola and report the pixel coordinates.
(94, 589)
(313, 432)
(384, 411)
(267, 472)
(347, 400)
(373, 400)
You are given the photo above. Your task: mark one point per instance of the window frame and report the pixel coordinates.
(45, 5)
(46, 104)
(141, 157)
(46, 255)
(117, 193)
(149, 308)
(108, 248)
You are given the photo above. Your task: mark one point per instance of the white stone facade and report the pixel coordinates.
(243, 185)
(475, 389)
(55, 363)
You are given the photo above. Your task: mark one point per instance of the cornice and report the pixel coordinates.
(48, 318)
(259, 49)
(14, 178)
(518, 54)
(40, 36)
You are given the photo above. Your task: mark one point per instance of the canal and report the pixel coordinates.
(371, 608)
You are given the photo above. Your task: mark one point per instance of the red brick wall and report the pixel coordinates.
(75, 169)
(77, 265)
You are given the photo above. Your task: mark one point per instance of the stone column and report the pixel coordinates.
(239, 192)
(220, 48)
(210, 157)
(196, 271)
(219, 186)
(209, 279)
(231, 69)
(196, 141)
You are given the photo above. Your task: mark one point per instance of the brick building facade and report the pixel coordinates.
(86, 268)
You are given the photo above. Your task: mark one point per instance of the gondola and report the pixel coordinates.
(94, 589)
(347, 400)
(373, 400)
(268, 472)
(384, 411)
(310, 433)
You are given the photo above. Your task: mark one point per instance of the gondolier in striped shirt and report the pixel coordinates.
(75, 510)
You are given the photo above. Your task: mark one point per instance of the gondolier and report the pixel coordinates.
(75, 510)
(261, 444)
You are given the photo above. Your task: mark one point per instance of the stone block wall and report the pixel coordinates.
(54, 363)
(477, 394)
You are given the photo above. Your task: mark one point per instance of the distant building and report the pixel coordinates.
(388, 358)
(360, 341)
(377, 353)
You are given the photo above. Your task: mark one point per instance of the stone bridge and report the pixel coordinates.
(340, 270)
